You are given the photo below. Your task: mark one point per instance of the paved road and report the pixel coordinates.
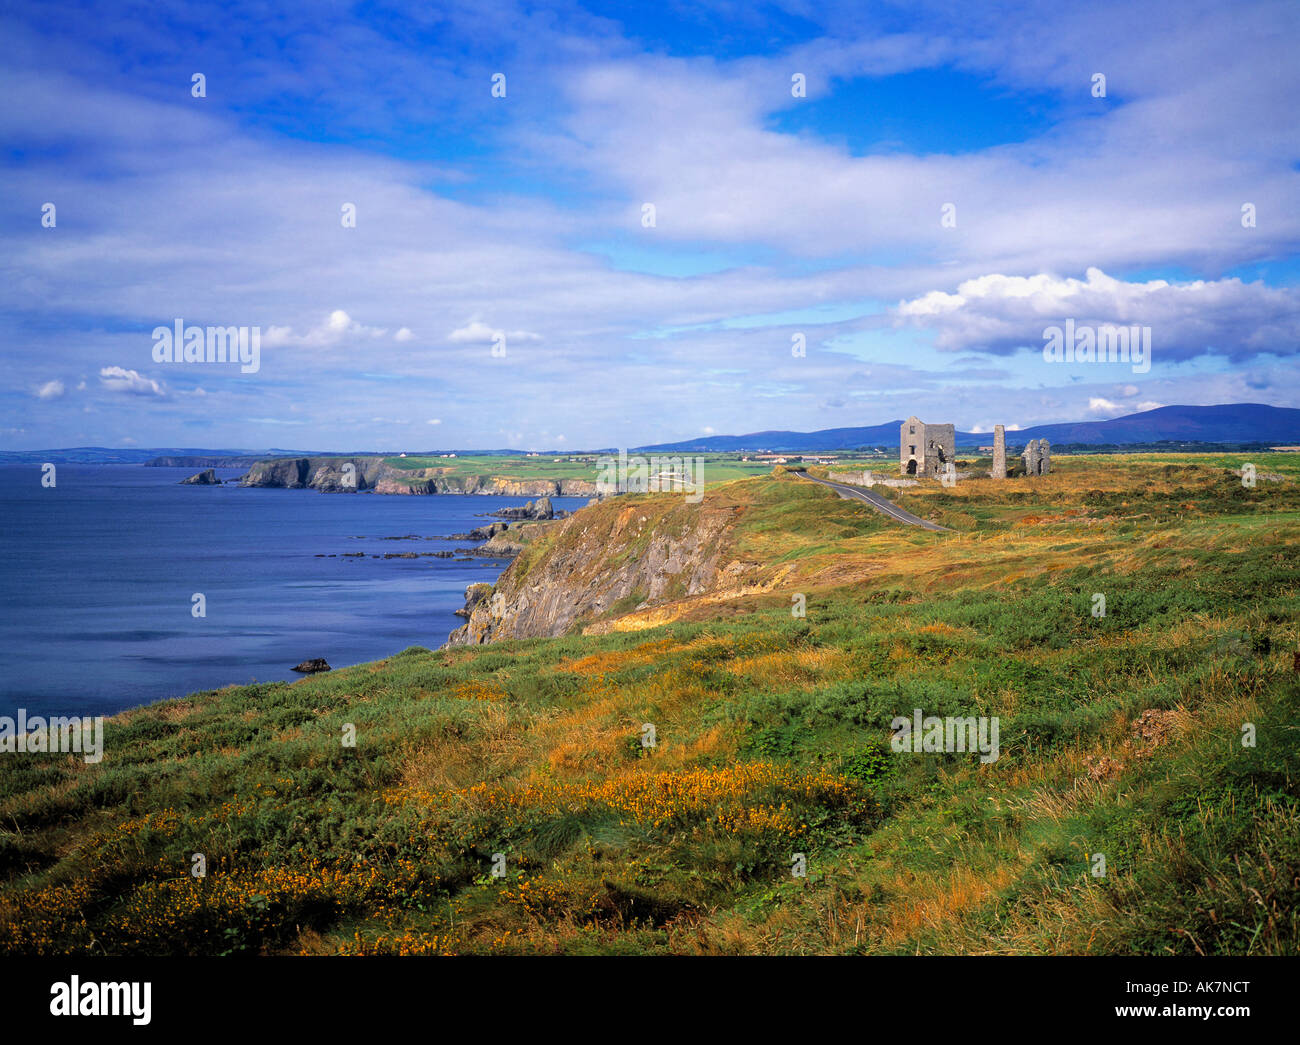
(881, 504)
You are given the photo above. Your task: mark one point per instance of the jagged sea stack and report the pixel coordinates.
(999, 452)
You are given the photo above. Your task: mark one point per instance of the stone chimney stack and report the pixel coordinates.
(999, 452)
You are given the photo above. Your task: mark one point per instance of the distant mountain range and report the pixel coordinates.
(132, 455)
(195, 457)
(1229, 423)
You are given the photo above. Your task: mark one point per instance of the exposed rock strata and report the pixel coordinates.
(617, 556)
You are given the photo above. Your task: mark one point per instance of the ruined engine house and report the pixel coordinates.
(925, 449)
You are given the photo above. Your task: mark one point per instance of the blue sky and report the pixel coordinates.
(521, 220)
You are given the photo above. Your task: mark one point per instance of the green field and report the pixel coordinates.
(1121, 736)
(717, 467)
(523, 467)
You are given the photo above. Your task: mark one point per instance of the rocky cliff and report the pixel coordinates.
(330, 474)
(623, 556)
(430, 481)
(344, 474)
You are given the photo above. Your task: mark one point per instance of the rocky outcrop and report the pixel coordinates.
(474, 594)
(352, 474)
(498, 547)
(310, 667)
(330, 474)
(616, 556)
(290, 473)
(539, 509)
(207, 478)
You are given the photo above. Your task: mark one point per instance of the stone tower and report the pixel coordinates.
(999, 452)
(925, 449)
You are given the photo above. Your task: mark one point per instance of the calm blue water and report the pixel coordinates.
(97, 575)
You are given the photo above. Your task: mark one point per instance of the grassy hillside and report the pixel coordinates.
(1120, 736)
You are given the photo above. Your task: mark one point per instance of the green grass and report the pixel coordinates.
(545, 467)
(772, 739)
(717, 467)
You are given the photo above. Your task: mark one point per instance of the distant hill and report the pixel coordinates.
(826, 439)
(196, 457)
(127, 455)
(1230, 423)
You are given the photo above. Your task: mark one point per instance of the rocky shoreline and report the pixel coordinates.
(372, 474)
(501, 540)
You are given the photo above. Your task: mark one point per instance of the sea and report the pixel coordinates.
(102, 577)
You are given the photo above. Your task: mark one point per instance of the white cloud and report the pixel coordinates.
(1147, 183)
(117, 379)
(337, 329)
(434, 421)
(997, 313)
(476, 332)
(50, 390)
(1101, 405)
(473, 333)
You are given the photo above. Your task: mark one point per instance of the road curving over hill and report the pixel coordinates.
(879, 503)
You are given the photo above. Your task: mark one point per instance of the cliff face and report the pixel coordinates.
(334, 474)
(290, 473)
(430, 481)
(623, 555)
(371, 473)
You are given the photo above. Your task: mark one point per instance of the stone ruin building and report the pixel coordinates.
(1038, 457)
(925, 449)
